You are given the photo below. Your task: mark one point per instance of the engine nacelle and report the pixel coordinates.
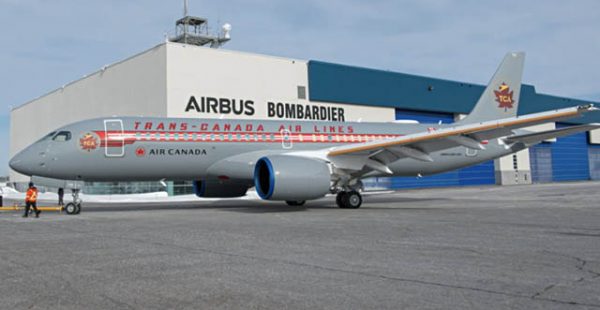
(292, 178)
(219, 189)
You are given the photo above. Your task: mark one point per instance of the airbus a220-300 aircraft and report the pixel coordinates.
(291, 161)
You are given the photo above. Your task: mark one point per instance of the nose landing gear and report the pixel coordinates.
(74, 207)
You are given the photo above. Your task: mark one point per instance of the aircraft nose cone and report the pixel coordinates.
(17, 164)
(24, 162)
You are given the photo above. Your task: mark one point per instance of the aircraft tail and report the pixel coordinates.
(501, 97)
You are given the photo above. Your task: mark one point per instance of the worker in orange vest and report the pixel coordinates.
(31, 200)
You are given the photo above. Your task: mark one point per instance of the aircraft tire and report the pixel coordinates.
(78, 208)
(339, 199)
(295, 203)
(71, 208)
(352, 200)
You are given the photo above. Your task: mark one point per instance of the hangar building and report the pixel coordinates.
(184, 80)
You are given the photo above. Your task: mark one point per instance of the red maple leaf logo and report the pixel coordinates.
(140, 151)
(504, 97)
(88, 142)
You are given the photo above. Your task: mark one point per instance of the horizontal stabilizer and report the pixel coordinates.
(537, 137)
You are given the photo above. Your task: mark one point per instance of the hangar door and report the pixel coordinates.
(476, 175)
(540, 157)
(594, 155)
(570, 160)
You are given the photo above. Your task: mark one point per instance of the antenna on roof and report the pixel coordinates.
(194, 30)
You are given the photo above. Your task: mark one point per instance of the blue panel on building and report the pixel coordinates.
(425, 117)
(439, 180)
(346, 84)
(482, 174)
(570, 161)
(476, 175)
(532, 102)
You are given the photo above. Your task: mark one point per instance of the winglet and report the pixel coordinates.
(588, 107)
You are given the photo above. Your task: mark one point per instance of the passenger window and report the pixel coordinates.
(62, 136)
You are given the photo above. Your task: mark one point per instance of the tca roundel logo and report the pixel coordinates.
(88, 142)
(504, 97)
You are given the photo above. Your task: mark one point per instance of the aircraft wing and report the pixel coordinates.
(536, 137)
(377, 154)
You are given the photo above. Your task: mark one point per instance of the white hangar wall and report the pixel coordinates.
(209, 83)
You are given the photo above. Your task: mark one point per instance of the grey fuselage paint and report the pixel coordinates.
(150, 149)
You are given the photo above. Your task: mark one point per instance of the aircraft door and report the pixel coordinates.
(286, 139)
(114, 140)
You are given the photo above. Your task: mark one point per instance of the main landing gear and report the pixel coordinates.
(348, 200)
(74, 207)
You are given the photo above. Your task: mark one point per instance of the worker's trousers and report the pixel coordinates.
(30, 205)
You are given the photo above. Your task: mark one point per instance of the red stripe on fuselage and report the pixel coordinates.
(118, 138)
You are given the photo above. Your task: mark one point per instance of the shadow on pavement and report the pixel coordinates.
(371, 202)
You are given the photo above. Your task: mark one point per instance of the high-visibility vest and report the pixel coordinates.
(31, 195)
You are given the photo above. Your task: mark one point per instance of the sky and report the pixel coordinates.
(48, 43)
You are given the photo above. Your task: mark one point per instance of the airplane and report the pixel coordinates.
(291, 161)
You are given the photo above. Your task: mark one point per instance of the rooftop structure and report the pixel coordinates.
(194, 30)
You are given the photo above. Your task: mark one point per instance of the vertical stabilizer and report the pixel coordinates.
(501, 97)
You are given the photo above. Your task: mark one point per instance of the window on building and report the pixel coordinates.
(301, 92)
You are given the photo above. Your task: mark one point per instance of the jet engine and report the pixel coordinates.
(219, 189)
(291, 178)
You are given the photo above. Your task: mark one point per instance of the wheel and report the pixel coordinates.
(295, 203)
(78, 208)
(339, 199)
(352, 200)
(71, 208)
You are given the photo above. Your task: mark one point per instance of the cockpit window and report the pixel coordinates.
(48, 136)
(62, 136)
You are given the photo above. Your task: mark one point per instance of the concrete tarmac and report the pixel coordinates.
(524, 247)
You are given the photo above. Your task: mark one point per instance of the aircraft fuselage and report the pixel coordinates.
(138, 149)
